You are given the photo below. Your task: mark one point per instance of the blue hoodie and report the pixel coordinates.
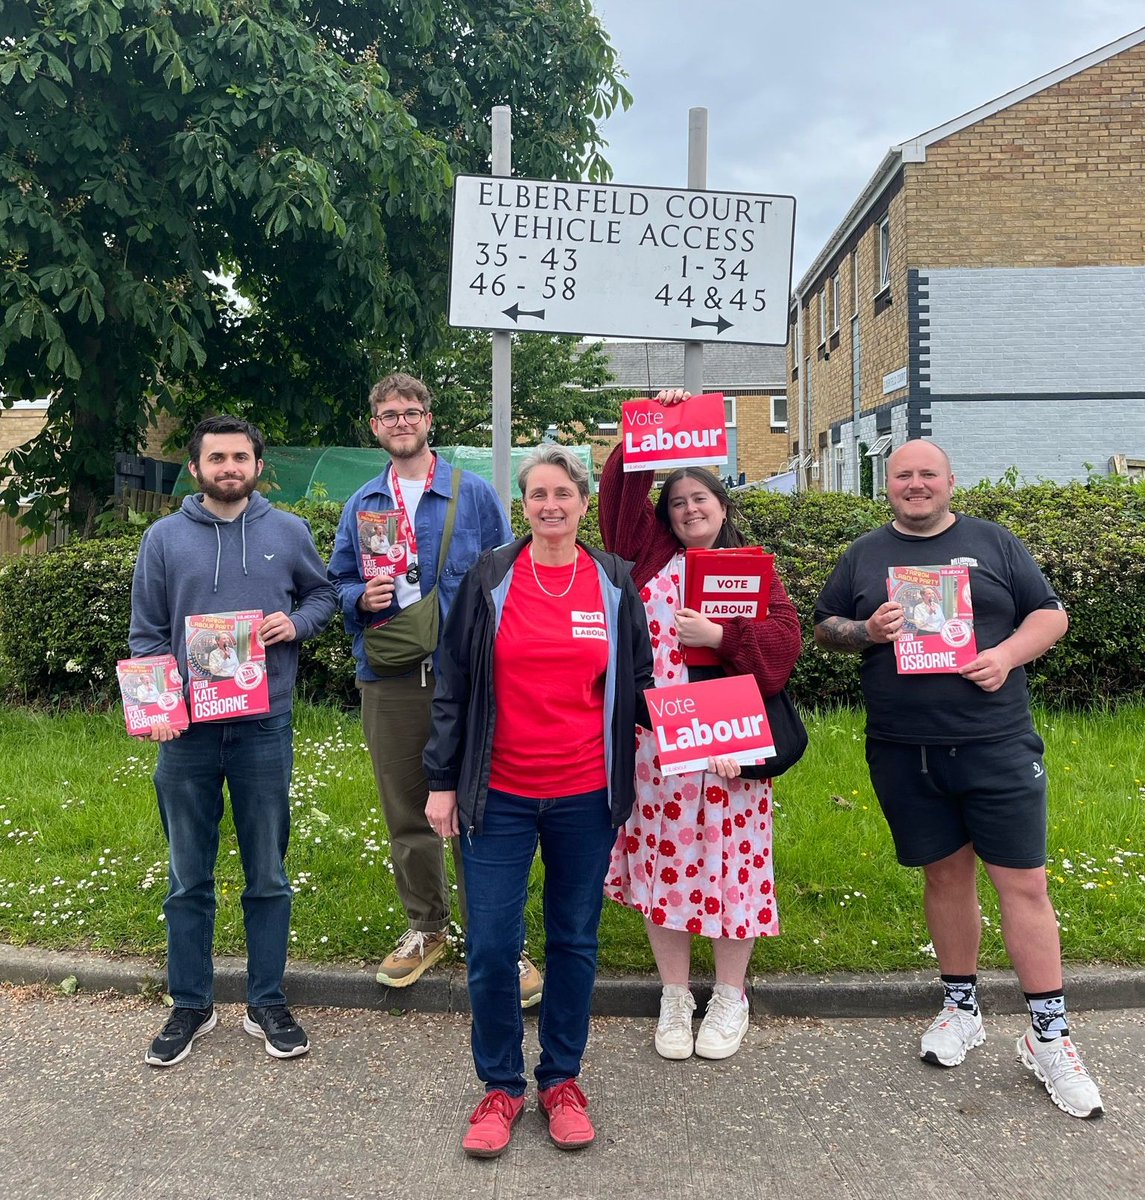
(193, 562)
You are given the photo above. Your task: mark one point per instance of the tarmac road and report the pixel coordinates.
(808, 1109)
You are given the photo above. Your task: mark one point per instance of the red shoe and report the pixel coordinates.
(565, 1106)
(491, 1125)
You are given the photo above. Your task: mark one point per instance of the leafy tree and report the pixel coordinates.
(151, 148)
(556, 382)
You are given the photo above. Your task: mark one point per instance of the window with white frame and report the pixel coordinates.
(878, 454)
(838, 462)
(884, 254)
(730, 412)
(823, 316)
(835, 302)
(778, 413)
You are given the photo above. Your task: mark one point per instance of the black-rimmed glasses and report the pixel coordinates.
(411, 416)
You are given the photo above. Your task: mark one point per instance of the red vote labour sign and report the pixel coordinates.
(721, 718)
(659, 437)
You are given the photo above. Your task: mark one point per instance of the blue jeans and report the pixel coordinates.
(254, 758)
(576, 836)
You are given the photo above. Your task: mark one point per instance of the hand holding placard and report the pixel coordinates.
(658, 436)
(723, 718)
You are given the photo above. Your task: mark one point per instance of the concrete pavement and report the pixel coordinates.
(808, 1108)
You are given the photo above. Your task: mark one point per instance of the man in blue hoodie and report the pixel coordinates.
(227, 550)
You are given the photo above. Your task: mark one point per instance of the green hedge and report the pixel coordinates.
(64, 614)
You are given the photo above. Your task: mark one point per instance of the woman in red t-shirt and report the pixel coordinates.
(540, 680)
(695, 855)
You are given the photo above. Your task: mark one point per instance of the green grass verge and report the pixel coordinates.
(83, 862)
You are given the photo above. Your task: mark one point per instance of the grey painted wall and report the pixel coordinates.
(1052, 439)
(1049, 330)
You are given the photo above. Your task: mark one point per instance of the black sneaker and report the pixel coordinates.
(177, 1037)
(281, 1033)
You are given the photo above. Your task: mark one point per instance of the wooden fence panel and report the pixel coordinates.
(12, 535)
(149, 502)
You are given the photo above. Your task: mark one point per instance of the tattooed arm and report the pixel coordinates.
(839, 633)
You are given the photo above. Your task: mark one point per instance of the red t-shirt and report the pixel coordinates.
(549, 662)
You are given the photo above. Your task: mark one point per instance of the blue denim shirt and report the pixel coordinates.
(480, 525)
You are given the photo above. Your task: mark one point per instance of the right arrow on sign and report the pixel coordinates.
(514, 312)
(719, 325)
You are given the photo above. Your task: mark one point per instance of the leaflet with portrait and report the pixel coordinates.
(226, 664)
(152, 692)
(937, 636)
(382, 543)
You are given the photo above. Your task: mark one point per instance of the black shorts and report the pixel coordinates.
(938, 798)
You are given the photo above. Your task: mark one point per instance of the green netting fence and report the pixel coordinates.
(336, 472)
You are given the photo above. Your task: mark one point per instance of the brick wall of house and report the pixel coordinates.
(762, 450)
(882, 327)
(17, 426)
(1054, 180)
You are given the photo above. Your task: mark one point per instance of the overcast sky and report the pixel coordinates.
(805, 98)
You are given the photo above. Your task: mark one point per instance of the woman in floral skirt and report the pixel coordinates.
(695, 855)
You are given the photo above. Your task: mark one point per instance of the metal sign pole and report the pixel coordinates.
(503, 342)
(697, 178)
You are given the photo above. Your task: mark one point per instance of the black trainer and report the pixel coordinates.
(177, 1037)
(281, 1033)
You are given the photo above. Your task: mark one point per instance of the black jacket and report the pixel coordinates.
(458, 755)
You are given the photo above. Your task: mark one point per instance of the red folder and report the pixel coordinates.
(724, 584)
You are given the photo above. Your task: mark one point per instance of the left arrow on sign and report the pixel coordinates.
(514, 312)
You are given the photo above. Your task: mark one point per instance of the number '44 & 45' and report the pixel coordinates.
(739, 300)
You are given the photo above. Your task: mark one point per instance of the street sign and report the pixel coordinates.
(532, 255)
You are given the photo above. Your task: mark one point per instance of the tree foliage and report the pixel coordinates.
(150, 148)
(556, 382)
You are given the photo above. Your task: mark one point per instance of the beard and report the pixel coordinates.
(405, 449)
(229, 491)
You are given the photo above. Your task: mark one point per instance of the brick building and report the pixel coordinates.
(987, 290)
(751, 379)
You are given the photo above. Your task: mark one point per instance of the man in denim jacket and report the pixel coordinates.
(396, 710)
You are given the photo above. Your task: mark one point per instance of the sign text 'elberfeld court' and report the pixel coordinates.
(538, 255)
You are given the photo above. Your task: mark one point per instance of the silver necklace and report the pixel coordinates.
(554, 595)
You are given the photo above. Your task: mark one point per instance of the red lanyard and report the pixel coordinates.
(399, 500)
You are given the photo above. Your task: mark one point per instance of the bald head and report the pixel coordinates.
(920, 448)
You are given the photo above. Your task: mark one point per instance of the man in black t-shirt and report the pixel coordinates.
(955, 760)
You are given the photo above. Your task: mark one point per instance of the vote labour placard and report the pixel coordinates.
(659, 436)
(937, 635)
(724, 584)
(724, 718)
(226, 664)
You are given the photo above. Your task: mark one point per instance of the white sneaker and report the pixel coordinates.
(1058, 1065)
(724, 1025)
(951, 1034)
(674, 1029)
